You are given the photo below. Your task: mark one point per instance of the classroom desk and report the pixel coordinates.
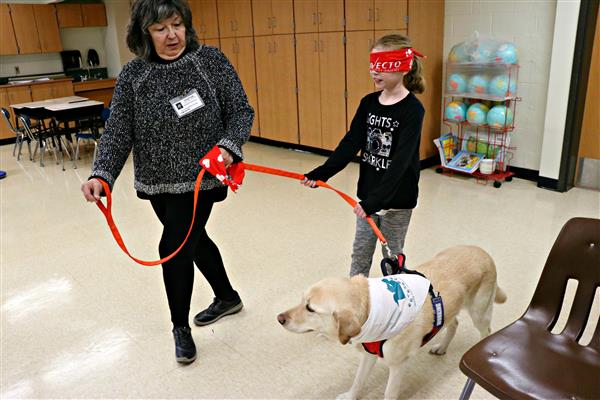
(60, 111)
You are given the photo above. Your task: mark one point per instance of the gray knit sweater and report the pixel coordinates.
(166, 148)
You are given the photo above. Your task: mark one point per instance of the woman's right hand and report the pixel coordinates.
(308, 182)
(92, 190)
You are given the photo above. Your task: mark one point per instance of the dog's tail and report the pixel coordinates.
(500, 295)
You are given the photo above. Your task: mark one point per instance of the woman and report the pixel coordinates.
(171, 105)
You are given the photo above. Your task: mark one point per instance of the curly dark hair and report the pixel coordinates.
(147, 12)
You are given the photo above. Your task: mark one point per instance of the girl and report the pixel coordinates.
(387, 130)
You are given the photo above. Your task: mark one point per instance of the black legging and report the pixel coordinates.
(175, 212)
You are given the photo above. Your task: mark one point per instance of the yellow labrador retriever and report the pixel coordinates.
(339, 308)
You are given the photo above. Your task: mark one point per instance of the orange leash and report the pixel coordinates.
(348, 199)
(107, 211)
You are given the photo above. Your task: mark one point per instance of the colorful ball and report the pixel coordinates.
(478, 84)
(458, 54)
(477, 114)
(507, 54)
(502, 86)
(455, 111)
(485, 51)
(457, 83)
(499, 117)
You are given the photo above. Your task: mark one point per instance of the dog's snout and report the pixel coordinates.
(282, 319)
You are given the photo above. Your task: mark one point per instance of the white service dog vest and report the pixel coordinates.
(395, 301)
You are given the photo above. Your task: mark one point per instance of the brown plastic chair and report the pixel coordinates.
(525, 360)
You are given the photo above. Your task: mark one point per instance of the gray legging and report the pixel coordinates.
(393, 226)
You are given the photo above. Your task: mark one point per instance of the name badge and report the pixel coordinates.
(190, 102)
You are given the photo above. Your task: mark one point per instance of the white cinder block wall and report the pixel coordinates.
(530, 25)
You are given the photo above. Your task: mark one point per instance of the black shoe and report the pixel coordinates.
(185, 349)
(217, 310)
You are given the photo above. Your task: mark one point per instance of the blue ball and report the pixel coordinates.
(485, 51)
(477, 114)
(507, 54)
(457, 83)
(478, 84)
(500, 117)
(455, 111)
(503, 86)
(458, 54)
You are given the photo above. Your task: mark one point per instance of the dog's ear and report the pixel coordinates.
(348, 325)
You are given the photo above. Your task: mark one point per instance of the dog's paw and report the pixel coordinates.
(346, 396)
(437, 350)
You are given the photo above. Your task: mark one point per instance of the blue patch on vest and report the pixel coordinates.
(394, 287)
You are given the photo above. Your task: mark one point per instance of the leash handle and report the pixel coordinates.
(348, 199)
(107, 211)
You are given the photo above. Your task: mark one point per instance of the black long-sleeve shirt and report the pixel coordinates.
(388, 138)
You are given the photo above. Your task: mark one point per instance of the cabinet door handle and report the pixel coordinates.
(232, 27)
(321, 46)
(370, 14)
(319, 17)
(274, 47)
(377, 14)
(314, 18)
(269, 22)
(316, 46)
(274, 22)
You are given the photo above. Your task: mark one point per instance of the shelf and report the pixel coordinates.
(482, 97)
(487, 66)
(486, 126)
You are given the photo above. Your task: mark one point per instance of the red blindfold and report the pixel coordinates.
(393, 61)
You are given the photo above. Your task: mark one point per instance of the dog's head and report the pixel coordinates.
(334, 307)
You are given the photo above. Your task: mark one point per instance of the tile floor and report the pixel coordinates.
(80, 320)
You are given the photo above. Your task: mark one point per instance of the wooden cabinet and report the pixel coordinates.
(211, 42)
(100, 90)
(364, 15)
(321, 100)
(23, 20)
(29, 29)
(273, 17)
(240, 52)
(318, 15)
(69, 15)
(74, 15)
(51, 90)
(204, 18)
(12, 95)
(276, 80)
(426, 31)
(235, 18)
(93, 14)
(8, 43)
(47, 27)
(359, 82)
